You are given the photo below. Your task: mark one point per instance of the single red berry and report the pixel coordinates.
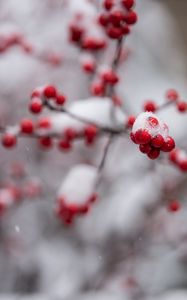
(44, 123)
(128, 4)
(168, 145)
(36, 105)
(131, 18)
(153, 122)
(172, 95)
(89, 67)
(116, 17)
(110, 77)
(26, 126)
(125, 29)
(145, 148)
(64, 145)
(60, 99)
(154, 153)
(130, 121)
(90, 133)
(45, 142)
(50, 91)
(173, 155)
(174, 206)
(114, 32)
(183, 165)
(150, 106)
(108, 4)
(182, 106)
(93, 44)
(157, 141)
(98, 89)
(142, 136)
(70, 134)
(9, 140)
(132, 136)
(103, 20)
(76, 33)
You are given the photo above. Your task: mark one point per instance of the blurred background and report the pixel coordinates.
(129, 247)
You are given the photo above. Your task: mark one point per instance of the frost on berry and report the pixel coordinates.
(152, 134)
(76, 193)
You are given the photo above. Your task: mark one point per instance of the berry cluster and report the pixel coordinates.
(72, 201)
(171, 97)
(67, 212)
(17, 188)
(104, 77)
(118, 17)
(81, 35)
(41, 95)
(49, 129)
(152, 135)
(179, 158)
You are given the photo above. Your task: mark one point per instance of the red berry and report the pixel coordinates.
(130, 121)
(110, 77)
(168, 145)
(128, 4)
(142, 136)
(153, 122)
(146, 148)
(108, 4)
(125, 29)
(50, 91)
(157, 141)
(75, 33)
(36, 105)
(183, 165)
(116, 17)
(103, 20)
(9, 140)
(93, 44)
(44, 123)
(27, 126)
(60, 99)
(45, 142)
(97, 89)
(69, 134)
(150, 106)
(65, 145)
(90, 133)
(131, 18)
(182, 106)
(174, 206)
(114, 32)
(154, 153)
(172, 95)
(173, 155)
